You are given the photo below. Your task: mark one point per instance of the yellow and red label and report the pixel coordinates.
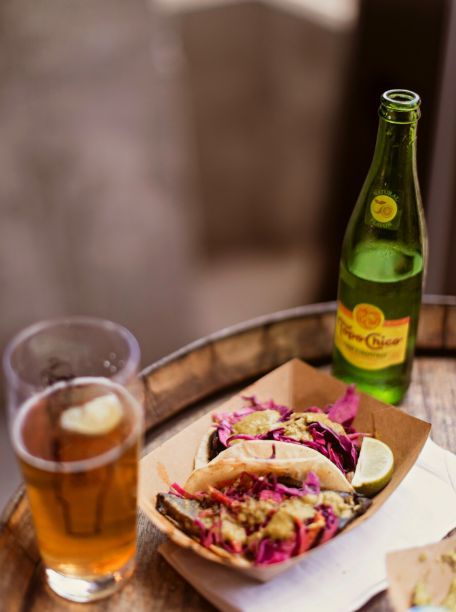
(369, 341)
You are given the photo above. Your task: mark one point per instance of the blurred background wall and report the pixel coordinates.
(184, 165)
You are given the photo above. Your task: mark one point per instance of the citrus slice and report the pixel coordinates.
(374, 468)
(99, 416)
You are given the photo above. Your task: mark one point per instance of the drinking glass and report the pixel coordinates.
(76, 428)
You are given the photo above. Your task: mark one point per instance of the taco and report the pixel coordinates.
(326, 430)
(259, 512)
(283, 451)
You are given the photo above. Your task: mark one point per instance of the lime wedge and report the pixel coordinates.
(94, 418)
(374, 468)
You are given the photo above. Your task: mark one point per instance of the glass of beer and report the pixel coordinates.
(76, 427)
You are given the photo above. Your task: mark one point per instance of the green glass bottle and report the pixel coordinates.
(383, 261)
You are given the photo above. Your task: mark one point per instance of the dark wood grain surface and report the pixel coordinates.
(194, 381)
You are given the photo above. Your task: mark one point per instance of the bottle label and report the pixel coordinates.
(383, 208)
(383, 211)
(367, 340)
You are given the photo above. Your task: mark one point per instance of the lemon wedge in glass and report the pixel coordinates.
(94, 418)
(374, 468)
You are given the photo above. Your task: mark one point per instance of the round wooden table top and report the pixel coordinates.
(196, 379)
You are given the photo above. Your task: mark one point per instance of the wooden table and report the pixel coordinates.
(194, 380)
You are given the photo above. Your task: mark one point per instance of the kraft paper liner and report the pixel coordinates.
(294, 384)
(405, 568)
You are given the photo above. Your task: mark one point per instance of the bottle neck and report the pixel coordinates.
(394, 162)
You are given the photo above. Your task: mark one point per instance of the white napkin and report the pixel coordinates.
(347, 572)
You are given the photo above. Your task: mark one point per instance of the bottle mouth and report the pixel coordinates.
(401, 99)
(400, 106)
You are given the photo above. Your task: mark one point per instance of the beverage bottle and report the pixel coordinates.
(383, 261)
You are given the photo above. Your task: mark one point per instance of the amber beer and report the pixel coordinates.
(81, 480)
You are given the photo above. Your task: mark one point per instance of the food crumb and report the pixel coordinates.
(449, 603)
(420, 595)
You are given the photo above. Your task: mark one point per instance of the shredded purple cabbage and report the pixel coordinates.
(331, 523)
(246, 437)
(344, 410)
(272, 551)
(342, 450)
(269, 405)
(262, 549)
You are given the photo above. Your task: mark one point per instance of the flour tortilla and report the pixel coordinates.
(282, 451)
(291, 460)
(202, 453)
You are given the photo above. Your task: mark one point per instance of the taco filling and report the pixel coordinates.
(264, 519)
(327, 430)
